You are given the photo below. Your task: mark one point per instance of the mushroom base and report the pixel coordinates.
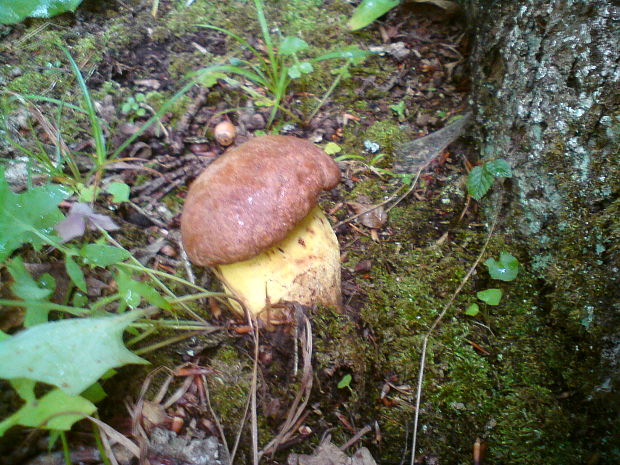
(303, 268)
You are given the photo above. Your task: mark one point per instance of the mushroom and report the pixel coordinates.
(252, 216)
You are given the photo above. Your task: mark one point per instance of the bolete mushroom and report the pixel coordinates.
(252, 216)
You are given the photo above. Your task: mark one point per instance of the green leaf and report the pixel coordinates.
(70, 354)
(294, 72)
(49, 412)
(354, 54)
(12, 11)
(29, 217)
(132, 291)
(399, 109)
(490, 296)
(368, 11)
(506, 269)
(290, 45)
(94, 393)
(24, 286)
(479, 182)
(472, 310)
(86, 194)
(345, 382)
(332, 148)
(499, 168)
(103, 255)
(75, 273)
(298, 69)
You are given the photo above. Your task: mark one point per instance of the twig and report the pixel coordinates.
(355, 438)
(434, 325)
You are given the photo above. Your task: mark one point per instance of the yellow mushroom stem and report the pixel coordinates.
(304, 268)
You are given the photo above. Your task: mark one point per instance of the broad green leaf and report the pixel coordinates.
(119, 190)
(103, 255)
(291, 44)
(472, 310)
(12, 11)
(28, 217)
(71, 354)
(24, 286)
(490, 296)
(506, 269)
(368, 11)
(75, 273)
(479, 182)
(49, 412)
(499, 168)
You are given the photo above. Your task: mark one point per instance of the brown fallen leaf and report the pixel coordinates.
(371, 216)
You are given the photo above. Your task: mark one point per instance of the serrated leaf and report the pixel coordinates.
(368, 11)
(12, 11)
(75, 273)
(504, 269)
(24, 286)
(490, 296)
(22, 216)
(291, 44)
(119, 190)
(103, 255)
(479, 182)
(499, 168)
(49, 412)
(472, 310)
(70, 354)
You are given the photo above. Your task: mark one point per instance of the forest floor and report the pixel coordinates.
(510, 376)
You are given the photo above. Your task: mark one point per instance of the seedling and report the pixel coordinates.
(504, 269)
(481, 178)
(399, 109)
(345, 382)
(134, 106)
(277, 67)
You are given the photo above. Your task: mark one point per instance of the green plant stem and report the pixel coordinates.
(151, 273)
(100, 447)
(134, 340)
(166, 342)
(333, 86)
(65, 448)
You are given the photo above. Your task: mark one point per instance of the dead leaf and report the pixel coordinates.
(371, 216)
(80, 215)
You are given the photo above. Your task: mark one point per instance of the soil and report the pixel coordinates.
(509, 377)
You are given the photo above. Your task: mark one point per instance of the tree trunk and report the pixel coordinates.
(546, 98)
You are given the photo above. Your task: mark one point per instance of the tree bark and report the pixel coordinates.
(545, 97)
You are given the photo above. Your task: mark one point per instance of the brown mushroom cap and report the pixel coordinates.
(252, 196)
